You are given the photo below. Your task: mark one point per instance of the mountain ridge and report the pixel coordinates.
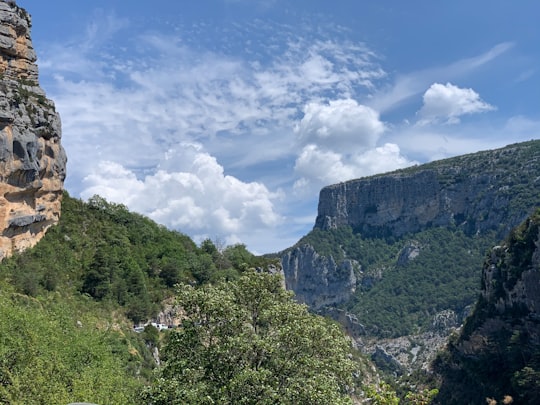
(394, 261)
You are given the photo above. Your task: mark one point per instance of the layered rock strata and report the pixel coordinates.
(32, 160)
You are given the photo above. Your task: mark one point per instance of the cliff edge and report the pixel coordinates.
(478, 198)
(476, 192)
(32, 160)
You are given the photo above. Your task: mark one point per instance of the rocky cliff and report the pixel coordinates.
(397, 257)
(499, 347)
(477, 192)
(318, 280)
(32, 160)
(481, 193)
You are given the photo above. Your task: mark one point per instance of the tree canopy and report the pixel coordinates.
(248, 342)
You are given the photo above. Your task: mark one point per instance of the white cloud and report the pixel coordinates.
(339, 142)
(381, 159)
(199, 200)
(411, 84)
(446, 103)
(342, 125)
(319, 168)
(324, 166)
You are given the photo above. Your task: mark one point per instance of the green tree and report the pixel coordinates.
(383, 395)
(248, 342)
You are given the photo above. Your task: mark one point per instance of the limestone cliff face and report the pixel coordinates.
(511, 275)
(32, 160)
(318, 281)
(476, 192)
(499, 346)
(492, 190)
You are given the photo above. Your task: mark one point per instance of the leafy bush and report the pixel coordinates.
(248, 342)
(47, 358)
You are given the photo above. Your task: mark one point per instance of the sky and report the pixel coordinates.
(223, 119)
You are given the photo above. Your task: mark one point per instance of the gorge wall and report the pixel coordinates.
(499, 347)
(32, 160)
(318, 280)
(476, 192)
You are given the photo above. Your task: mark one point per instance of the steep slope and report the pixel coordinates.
(32, 160)
(499, 347)
(400, 253)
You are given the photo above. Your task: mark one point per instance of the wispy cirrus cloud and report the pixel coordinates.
(150, 127)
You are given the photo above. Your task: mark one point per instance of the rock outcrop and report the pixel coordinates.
(318, 281)
(476, 192)
(32, 160)
(499, 347)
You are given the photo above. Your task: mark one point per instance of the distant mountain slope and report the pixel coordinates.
(402, 251)
(499, 347)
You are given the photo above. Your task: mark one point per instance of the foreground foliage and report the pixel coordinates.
(248, 342)
(47, 358)
(67, 306)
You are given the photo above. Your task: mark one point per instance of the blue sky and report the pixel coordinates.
(224, 118)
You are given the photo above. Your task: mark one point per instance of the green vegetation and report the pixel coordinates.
(67, 306)
(248, 342)
(46, 357)
(398, 298)
(120, 258)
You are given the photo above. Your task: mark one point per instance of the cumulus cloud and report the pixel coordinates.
(446, 103)
(411, 84)
(339, 142)
(342, 125)
(318, 167)
(199, 200)
(324, 166)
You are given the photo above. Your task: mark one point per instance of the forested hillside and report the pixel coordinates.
(405, 283)
(67, 306)
(117, 257)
